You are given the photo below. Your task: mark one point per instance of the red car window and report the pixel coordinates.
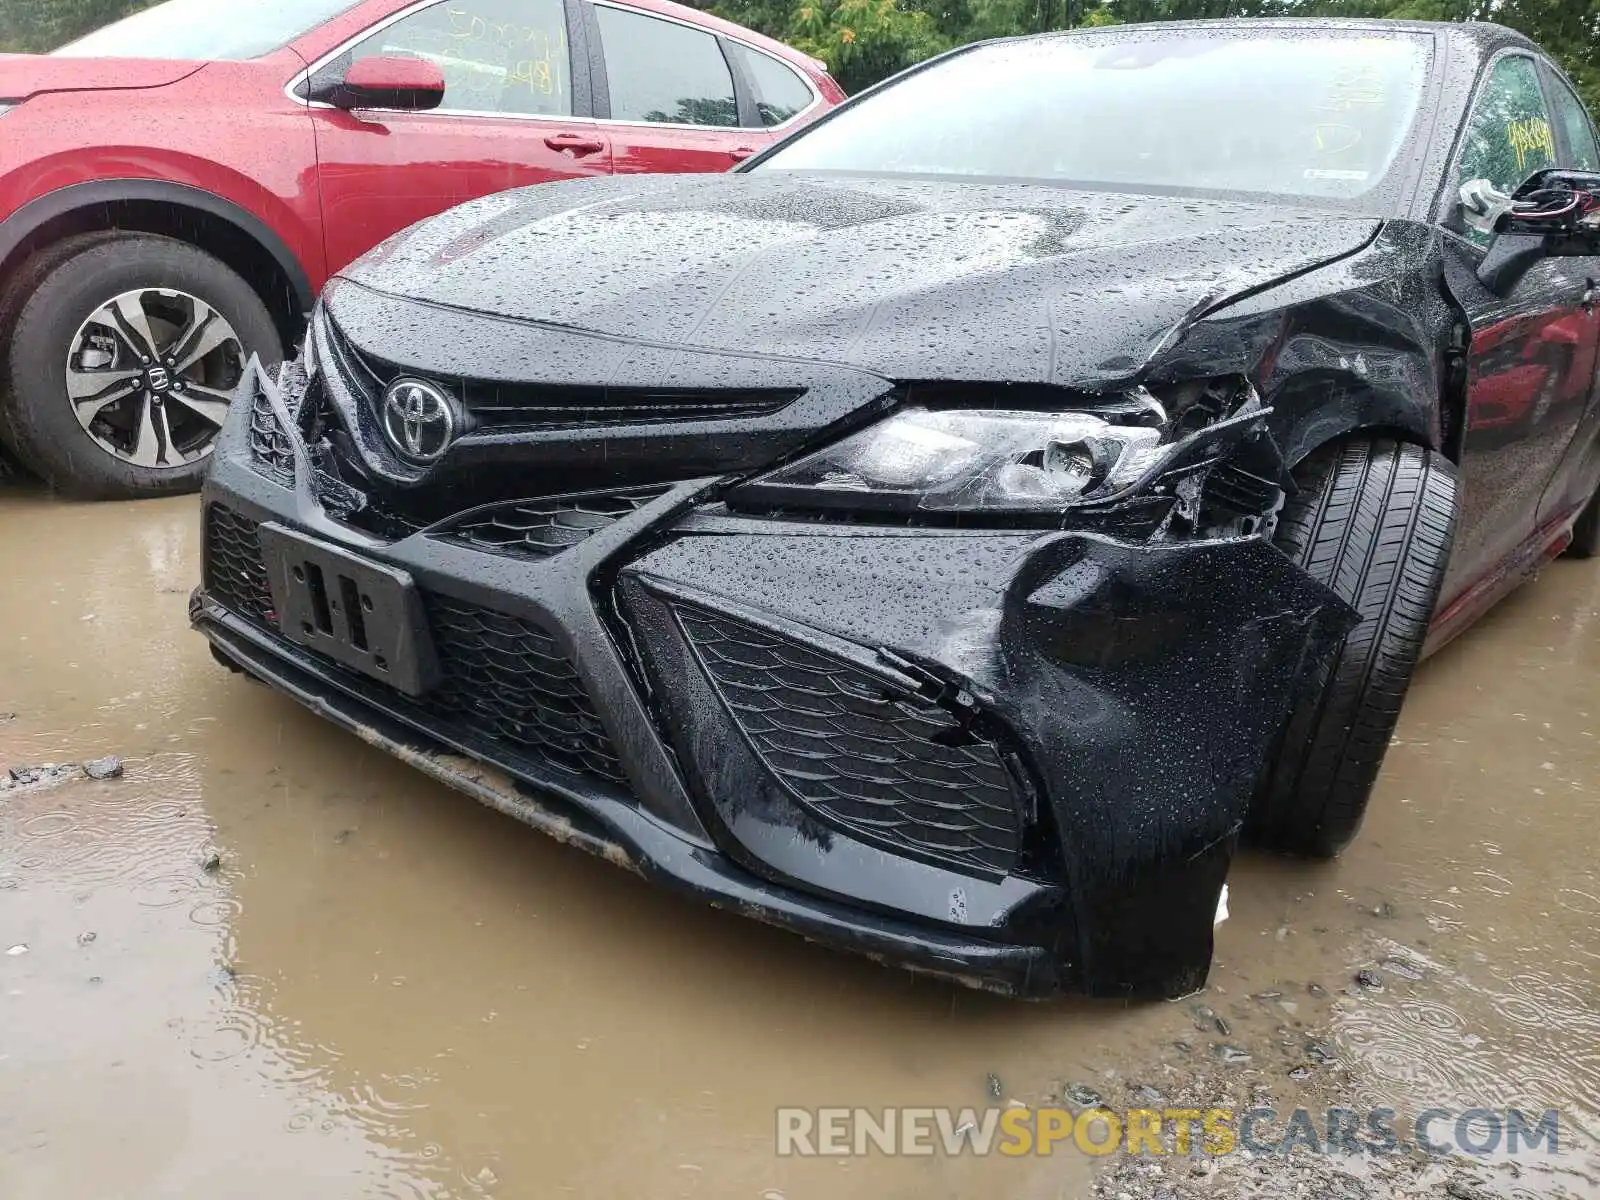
(500, 56)
(664, 73)
(780, 93)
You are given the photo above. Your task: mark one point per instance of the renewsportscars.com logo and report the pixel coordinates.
(845, 1132)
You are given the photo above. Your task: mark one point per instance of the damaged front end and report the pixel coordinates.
(979, 681)
(1005, 668)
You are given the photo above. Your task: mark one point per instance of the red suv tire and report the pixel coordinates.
(78, 407)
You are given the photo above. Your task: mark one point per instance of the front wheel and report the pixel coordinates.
(1372, 520)
(122, 351)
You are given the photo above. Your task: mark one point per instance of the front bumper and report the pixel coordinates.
(1015, 759)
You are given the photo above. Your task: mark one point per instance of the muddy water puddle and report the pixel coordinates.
(268, 960)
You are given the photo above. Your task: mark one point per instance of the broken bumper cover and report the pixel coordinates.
(1016, 759)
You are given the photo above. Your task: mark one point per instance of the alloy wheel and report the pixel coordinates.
(150, 374)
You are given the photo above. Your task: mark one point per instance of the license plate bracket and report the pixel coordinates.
(363, 614)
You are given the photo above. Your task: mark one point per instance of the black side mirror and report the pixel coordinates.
(1555, 213)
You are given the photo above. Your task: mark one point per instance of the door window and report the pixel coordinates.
(780, 93)
(498, 56)
(1509, 135)
(664, 73)
(1582, 152)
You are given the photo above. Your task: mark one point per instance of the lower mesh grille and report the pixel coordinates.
(271, 452)
(886, 766)
(509, 679)
(503, 680)
(540, 528)
(236, 576)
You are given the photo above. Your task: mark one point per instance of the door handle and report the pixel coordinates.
(740, 153)
(579, 144)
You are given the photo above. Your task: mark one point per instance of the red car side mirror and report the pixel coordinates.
(389, 81)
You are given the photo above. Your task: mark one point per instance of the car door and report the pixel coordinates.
(1579, 473)
(666, 94)
(1532, 354)
(516, 111)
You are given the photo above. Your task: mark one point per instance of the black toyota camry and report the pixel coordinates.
(948, 535)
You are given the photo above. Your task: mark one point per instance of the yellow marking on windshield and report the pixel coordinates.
(1333, 138)
(1359, 85)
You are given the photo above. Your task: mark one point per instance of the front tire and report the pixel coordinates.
(121, 351)
(1372, 520)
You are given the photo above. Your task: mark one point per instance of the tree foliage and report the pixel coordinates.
(35, 25)
(863, 41)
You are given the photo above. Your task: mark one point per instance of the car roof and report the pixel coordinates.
(742, 33)
(354, 20)
(1483, 36)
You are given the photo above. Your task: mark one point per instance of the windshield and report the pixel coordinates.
(205, 29)
(1299, 113)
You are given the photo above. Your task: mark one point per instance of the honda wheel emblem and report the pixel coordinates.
(419, 420)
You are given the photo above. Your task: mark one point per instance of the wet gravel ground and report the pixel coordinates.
(263, 959)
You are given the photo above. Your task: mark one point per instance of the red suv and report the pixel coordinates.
(176, 187)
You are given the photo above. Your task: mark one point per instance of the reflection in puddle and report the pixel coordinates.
(1494, 841)
(384, 989)
(124, 1002)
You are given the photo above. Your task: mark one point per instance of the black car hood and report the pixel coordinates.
(907, 279)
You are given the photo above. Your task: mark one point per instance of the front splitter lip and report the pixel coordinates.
(628, 837)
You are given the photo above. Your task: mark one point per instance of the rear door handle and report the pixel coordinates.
(578, 143)
(740, 153)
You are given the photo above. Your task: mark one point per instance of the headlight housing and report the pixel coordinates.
(7, 105)
(1201, 452)
(965, 460)
(991, 463)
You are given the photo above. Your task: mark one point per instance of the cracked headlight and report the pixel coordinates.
(964, 460)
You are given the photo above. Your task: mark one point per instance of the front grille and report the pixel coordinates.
(357, 371)
(525, 406)
(532, 406)
(540, 528)
(236, 576)
(509, 679)
(884, 765)
(271, 451)
(502, 679)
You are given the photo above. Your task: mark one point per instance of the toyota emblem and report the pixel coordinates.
(418, 419)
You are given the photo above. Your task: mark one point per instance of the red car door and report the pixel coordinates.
(515, 112)
(665, 93)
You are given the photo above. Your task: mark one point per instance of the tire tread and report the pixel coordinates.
(1373, 520)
